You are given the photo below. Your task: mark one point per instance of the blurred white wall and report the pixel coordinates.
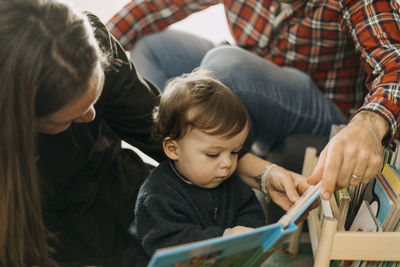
(104, 9)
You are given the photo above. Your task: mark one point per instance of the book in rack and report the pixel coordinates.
(333, 243)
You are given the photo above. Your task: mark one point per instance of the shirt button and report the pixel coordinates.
(263, 43)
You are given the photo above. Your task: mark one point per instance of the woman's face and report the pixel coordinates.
(78, 111)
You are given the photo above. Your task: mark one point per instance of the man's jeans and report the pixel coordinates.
(281, 100)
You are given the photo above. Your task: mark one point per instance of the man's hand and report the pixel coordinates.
(354, 155)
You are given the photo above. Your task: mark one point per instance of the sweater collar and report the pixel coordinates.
(178, 174)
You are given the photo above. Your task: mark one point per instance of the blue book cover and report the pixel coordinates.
(247, 249)
(384, 202)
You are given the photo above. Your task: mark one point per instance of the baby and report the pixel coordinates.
(196, 194)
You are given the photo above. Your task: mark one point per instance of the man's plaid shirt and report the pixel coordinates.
(349, 47)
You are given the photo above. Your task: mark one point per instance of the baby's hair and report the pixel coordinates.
(199, 100)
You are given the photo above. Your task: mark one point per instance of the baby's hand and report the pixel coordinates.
(237, 230)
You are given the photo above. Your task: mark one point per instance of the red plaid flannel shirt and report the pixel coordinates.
(351, 48)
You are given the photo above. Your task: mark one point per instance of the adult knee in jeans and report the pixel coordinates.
(229, 63)
(170, 53)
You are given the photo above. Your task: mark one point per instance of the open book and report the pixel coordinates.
(247, 249)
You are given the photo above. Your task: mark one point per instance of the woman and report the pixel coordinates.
(68, 96)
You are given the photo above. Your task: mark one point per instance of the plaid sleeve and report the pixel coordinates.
(140, 17)
(375, 28)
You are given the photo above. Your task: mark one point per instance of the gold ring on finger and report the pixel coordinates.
(356, 177)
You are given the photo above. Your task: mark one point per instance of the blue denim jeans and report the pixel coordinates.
(281, 100)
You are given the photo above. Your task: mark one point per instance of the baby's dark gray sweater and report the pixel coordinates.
(171, 212)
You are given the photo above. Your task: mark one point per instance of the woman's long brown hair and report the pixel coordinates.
(47, 55)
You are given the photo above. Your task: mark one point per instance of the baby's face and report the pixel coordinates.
(207, 160)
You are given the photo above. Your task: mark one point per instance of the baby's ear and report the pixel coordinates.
(170, 148)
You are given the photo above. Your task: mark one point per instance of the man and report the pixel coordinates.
(298, 66)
